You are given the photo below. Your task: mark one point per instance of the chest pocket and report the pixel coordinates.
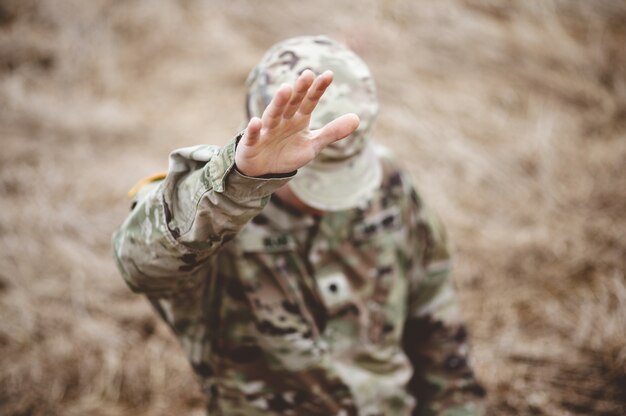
(282, 302)
(375, 242)
(369, 290)
(265, 266)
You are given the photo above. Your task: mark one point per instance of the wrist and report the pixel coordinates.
(242, 167)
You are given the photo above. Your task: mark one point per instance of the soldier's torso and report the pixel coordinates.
(304, 315)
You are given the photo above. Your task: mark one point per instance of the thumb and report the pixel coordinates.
(337, 129)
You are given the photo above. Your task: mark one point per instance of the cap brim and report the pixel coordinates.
(338, 185)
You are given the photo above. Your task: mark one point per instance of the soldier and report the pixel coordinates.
(300, 270)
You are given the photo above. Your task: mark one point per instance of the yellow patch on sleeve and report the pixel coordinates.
(152, 178)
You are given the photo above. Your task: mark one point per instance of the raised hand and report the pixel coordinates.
(280, 141)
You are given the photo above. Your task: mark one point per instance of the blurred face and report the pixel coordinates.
(346, 171)
(287, 196)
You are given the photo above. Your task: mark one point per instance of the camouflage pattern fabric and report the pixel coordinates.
(282, 313)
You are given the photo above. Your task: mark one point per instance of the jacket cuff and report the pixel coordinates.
(225, 178)
(239, 185)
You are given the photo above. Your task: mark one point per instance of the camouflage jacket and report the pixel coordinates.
(284, 313)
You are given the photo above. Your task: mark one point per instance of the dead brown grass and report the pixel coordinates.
(510, 115)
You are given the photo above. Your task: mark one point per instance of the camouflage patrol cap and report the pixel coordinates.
(348, 171)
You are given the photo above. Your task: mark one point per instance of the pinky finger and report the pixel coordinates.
(253, 131)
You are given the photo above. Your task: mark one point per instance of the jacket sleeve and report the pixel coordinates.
(175, 226)
(435, 337)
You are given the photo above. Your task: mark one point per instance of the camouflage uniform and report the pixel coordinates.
(280, 312)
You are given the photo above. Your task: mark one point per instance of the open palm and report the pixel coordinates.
(280, 141)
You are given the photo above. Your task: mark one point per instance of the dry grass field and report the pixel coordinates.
(511, 116)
